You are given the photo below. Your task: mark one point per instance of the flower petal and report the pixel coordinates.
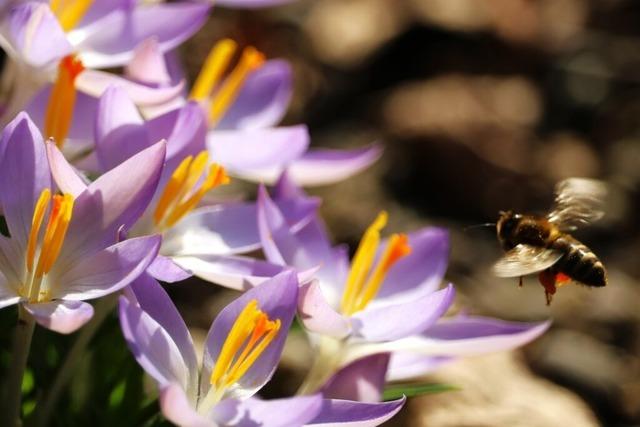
(110, 42)
(277, 298)
(148, 64)
(152, 346)
(34, 35)
(397, 321)
(105, 271)
(407, 365)
(64, 317)
(346, 413)
(155, 301)
(244, 150)
(166, 270)
(263, 100)
(95, 83)
(288, 412)
(318, 316)
(177, 408)
(24, 173)
(119, 131)
(422, 271)
(66, 176)
(362, 380)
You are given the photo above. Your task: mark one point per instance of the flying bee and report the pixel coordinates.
(543, 245)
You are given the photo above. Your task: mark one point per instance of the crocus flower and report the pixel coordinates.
(38, 35)
(63, 248)
(388, 296)
(241, 352)
(207, 239)
(242, 112)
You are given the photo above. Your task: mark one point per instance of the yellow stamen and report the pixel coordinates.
(251, 60)
(249, 336)
(70, 12)
(214, 66)
(397, 248)
(60, 212)
(358, 290)
(36, 222)
(180, 195)
(362, 261)
(62, 100)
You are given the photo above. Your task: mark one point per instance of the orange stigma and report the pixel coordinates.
(182, 193)
(62, 100)
(364, 280)
(209, 84)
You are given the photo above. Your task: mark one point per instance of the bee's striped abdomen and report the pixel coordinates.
(579, 262)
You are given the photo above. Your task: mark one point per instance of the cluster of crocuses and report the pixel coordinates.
(107, 187)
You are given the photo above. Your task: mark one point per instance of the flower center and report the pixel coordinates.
(248, 338)
(41, 256)
(364, 280)
(208, 86)
(62, 99)
(70, 12)
(182, 193)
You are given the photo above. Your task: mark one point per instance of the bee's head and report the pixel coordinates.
(506, 226)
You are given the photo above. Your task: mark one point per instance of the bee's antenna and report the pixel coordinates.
(486, 224)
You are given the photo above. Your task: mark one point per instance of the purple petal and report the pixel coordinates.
(322, 167)
(318, 316)
(115, 200)
(64, 317)
(244, 150)
(234, 272)
(277, 298)
(288, 412)
(285, 188)
(479, 335)
(166, 270)
(148, 64)
(119, 131)
(422, 271)
(185, 130)
(355, 414)
(110, 42)
(362, 380)
(24, 173)
(406, 365)
(152, 346)
(99, 9)
(95, 83)
(155, 301)
(177, 408)
(103, 272)
(263, 100)
(34, 34)
(251, 4)
(393, 322)
(66, 176)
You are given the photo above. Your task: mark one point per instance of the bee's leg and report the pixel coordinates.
(548, 281)
(520, 282)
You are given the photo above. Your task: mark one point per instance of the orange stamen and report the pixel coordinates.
(62, 100)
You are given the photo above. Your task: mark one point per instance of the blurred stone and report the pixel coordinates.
(566, 155)
(497, 390)
(345, 32)
(459, 15)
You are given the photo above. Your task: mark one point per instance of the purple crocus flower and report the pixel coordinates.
(63, 248)
(242, 113)
(204, 240)
(378, 306)
(242, 350)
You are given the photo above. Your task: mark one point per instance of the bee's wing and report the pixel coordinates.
(525, 259)
(578, 202)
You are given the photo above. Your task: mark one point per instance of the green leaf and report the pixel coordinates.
(411, 390)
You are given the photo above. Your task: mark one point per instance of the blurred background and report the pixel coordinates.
(481, 105)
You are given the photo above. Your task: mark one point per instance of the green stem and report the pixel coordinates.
(327, 360)
(103, 307)
(20, 352)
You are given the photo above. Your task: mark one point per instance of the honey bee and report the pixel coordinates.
(543, 245)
